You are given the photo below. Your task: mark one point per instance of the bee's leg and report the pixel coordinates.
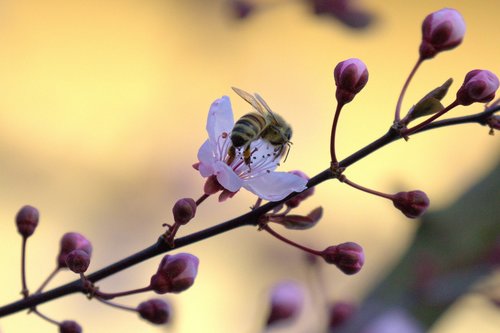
(247, 154)
(232, 154)
(278, 151)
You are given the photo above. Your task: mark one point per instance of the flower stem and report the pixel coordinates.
(107, 296)
(257, 204)
(48, 279)
(365, 189)
(429, 120)
(201, 199)
(397, 115)
(286, 240)
(115, 305)
(44, 317)
(333, 134)
(25, 292)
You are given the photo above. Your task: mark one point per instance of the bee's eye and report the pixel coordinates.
(288, 133)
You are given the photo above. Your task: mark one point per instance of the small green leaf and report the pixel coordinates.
(441, 91)
(298, 222)
(430, 103)
(425, 107)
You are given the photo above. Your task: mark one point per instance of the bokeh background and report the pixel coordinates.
(103, 107)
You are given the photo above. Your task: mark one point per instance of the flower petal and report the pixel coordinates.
(275, 186)
(227, 177)
(220, 118)
(206, 158)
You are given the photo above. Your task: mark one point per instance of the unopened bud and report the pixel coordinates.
(242, 9)
(287, 299)
(348, 257)
(69, 326)
(175, 274)
(27, 220)
(441, 30)
(350, 76)
(296, 200)
(479, 86)
(412, 204)
(78, 261)
(155, 310)
(184, 210)
(72, 241)
(340, 312)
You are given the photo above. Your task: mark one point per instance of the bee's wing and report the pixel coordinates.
(250, 99)
(268, 109)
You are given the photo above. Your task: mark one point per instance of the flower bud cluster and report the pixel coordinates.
(175, 274)
(412, 204)
(155, 310)
(72, 241)
(78, 261)
(348, 257)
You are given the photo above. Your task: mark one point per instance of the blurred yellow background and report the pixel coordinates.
(103, 107)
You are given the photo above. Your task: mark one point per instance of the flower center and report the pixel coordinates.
(263, 157)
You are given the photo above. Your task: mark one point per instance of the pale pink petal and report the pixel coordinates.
(206, 158)
(227, 177)
(220, 118)
(275, 186)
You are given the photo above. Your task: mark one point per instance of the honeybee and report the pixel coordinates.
(263, 124)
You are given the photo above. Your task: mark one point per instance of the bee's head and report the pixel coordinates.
(278, 135)
(288, 133)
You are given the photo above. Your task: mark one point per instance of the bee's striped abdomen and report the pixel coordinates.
(247, 129)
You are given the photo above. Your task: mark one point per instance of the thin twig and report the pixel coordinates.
(249, 219)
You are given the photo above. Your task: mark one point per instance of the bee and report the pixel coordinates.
(263, 124)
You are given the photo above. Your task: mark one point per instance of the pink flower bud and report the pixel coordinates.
(412, 204)
(184, 210)
(69, 326)
(242, 9)
(155, 310)
(340, 313)
(479, 86)
(72, 241)
(350, 76)
(287, 299)
(175, 274)
(344, 11)
(441, 30)
(78, 261)
(296, 200)
(27, 220)
(348, 257)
